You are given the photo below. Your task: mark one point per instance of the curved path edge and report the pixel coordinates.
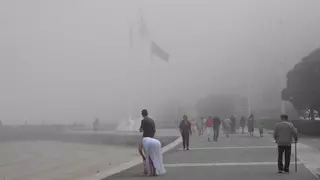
(309, 156)
(127, 165)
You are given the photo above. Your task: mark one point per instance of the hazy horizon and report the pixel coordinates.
(70, 61)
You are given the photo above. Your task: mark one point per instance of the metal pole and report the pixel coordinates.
(130, 59)
(151, 78)
(283, 108)
(249, 97)
(295, 156)
(151, 66)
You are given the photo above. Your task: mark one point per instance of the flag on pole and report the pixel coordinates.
(159, 52)
(145, 37)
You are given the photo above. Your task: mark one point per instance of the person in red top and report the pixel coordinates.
(209, 126)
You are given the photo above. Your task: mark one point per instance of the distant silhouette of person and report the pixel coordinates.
(96, 124)
(209, 128)
(260, 125)
(284, 133)
(216, 128)
(251, 124)
(201, 126)
(198, 124)
(242, 123)
(227, 126)
(194, 127)
(233, 124)
(185, 130)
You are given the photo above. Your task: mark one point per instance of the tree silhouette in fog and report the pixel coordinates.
(303, 84)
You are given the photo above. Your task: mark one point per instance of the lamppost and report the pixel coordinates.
(283, 107)
(249, 97)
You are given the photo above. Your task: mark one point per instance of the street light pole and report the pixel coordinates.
(249, 97)
(283, 107)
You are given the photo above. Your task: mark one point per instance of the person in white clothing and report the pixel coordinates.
(209, 128)
(226, 123)
(194, 127)
(154, 160)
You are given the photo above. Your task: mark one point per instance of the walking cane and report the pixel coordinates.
(295, 154)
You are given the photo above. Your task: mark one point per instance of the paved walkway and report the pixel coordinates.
(239, 157)
(310, 141)
(50, 160)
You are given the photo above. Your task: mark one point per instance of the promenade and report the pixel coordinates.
(240, 157)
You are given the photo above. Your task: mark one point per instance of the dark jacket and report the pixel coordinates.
(216, 122)
(242, 121)
(185, 127)
(284, 133)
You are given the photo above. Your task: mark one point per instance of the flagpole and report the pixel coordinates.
(130, 56)
(151, 81)
(150, 67)
(283, 108)
(152, 48)
(151, 64)
(249, 97)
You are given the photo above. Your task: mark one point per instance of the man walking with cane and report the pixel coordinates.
(283, 135)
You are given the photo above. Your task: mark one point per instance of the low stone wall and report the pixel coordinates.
(168, 124)
(88, 137)
(306, 127)
(267, 123)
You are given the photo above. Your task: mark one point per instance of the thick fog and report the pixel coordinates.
(65, 61)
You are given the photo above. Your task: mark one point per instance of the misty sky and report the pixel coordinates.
(69, 60)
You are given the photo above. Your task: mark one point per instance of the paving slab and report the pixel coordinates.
(239, 157)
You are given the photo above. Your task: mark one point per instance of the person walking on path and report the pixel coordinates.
(216, 127)
(251, 124)
(260, 125)
(227, 126)
(154, 160)
(185, 130)
(284, 133)
(242, 123)
(96, 124)
(233, 124)
(209, 128)
(199, 126)
(203, 121)
(194, 127)
(148, 129)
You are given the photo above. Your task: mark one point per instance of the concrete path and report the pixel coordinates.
(54, 160)
(49, 160)
(239, 157)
